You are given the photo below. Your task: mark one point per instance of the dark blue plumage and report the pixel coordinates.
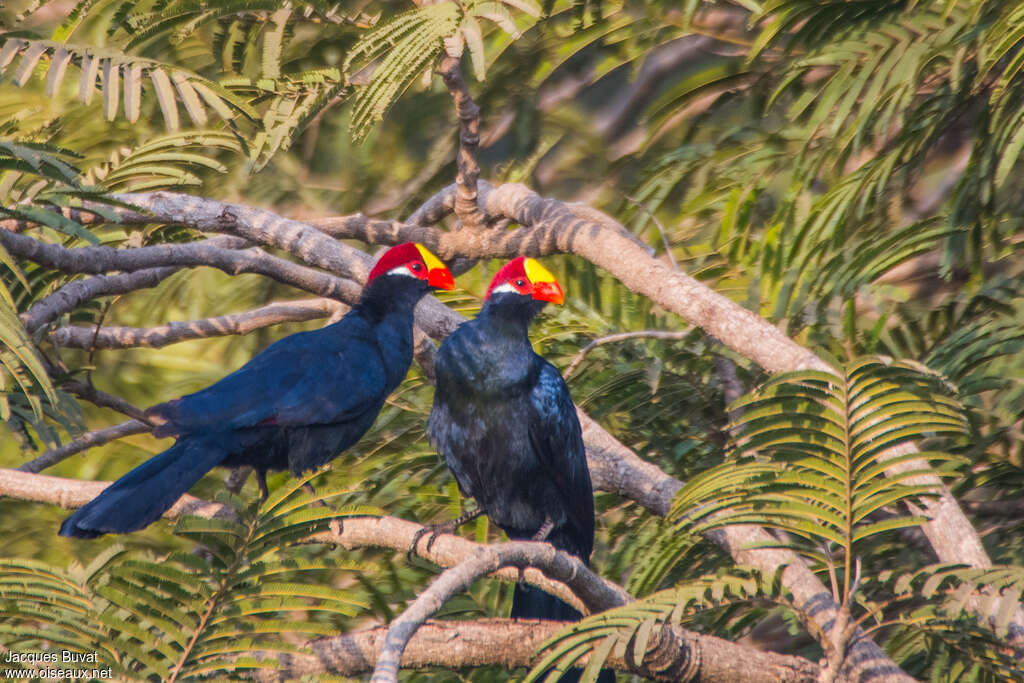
(506, 425)
(296, 405)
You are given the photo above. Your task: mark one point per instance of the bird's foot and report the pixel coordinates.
(544, 530)
(435, 530)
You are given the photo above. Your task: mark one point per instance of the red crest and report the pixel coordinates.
(398, 255)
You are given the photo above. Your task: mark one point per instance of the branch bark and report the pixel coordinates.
(116, 337)
(74, 493)
(466, 206)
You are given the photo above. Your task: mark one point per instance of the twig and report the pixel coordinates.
(86, 441)
(101, 398)
(623, 336)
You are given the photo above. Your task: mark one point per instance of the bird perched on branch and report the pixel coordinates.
(296, 405)
(507, 427)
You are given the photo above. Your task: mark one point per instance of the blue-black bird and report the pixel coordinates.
(296, 405)
(506, 425)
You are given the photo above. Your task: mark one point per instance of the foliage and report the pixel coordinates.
(811, 452)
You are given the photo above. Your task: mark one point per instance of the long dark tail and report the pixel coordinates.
(137, 499)
(533, 603)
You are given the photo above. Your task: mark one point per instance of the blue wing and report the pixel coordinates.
(320, 377)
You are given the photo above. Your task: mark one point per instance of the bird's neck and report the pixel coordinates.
(391, 298)
(509, 319)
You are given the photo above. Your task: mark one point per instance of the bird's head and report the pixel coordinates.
(413, 260)
(525, 280)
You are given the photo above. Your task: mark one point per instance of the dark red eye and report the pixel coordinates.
(417, 267)
(520, 283)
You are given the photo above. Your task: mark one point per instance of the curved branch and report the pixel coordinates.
(142, 275)
(88, 392)
(692, 656)
(74, 294)
(569, 579)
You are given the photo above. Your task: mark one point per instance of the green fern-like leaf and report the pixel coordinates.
(627, 631)
(827, 438)
(116, 70)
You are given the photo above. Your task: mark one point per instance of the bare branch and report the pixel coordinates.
(114, 337)
(466, 109)
(623, 336)
(435, 208)
(86, 441)
(74, 294)
(585, 591)
(74, 493)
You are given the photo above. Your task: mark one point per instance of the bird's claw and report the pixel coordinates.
(434, 530)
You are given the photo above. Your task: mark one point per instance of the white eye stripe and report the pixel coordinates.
(504, 287)
(400, 270)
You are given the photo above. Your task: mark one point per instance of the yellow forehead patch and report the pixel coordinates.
(536, 272)
(429, 259)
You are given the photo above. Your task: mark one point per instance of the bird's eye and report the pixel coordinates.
(520, 283)
(417, 267)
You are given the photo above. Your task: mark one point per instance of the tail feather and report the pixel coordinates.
(140, 497)
(532, 603)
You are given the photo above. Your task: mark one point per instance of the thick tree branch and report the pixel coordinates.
(115, 337)
(512, 643)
